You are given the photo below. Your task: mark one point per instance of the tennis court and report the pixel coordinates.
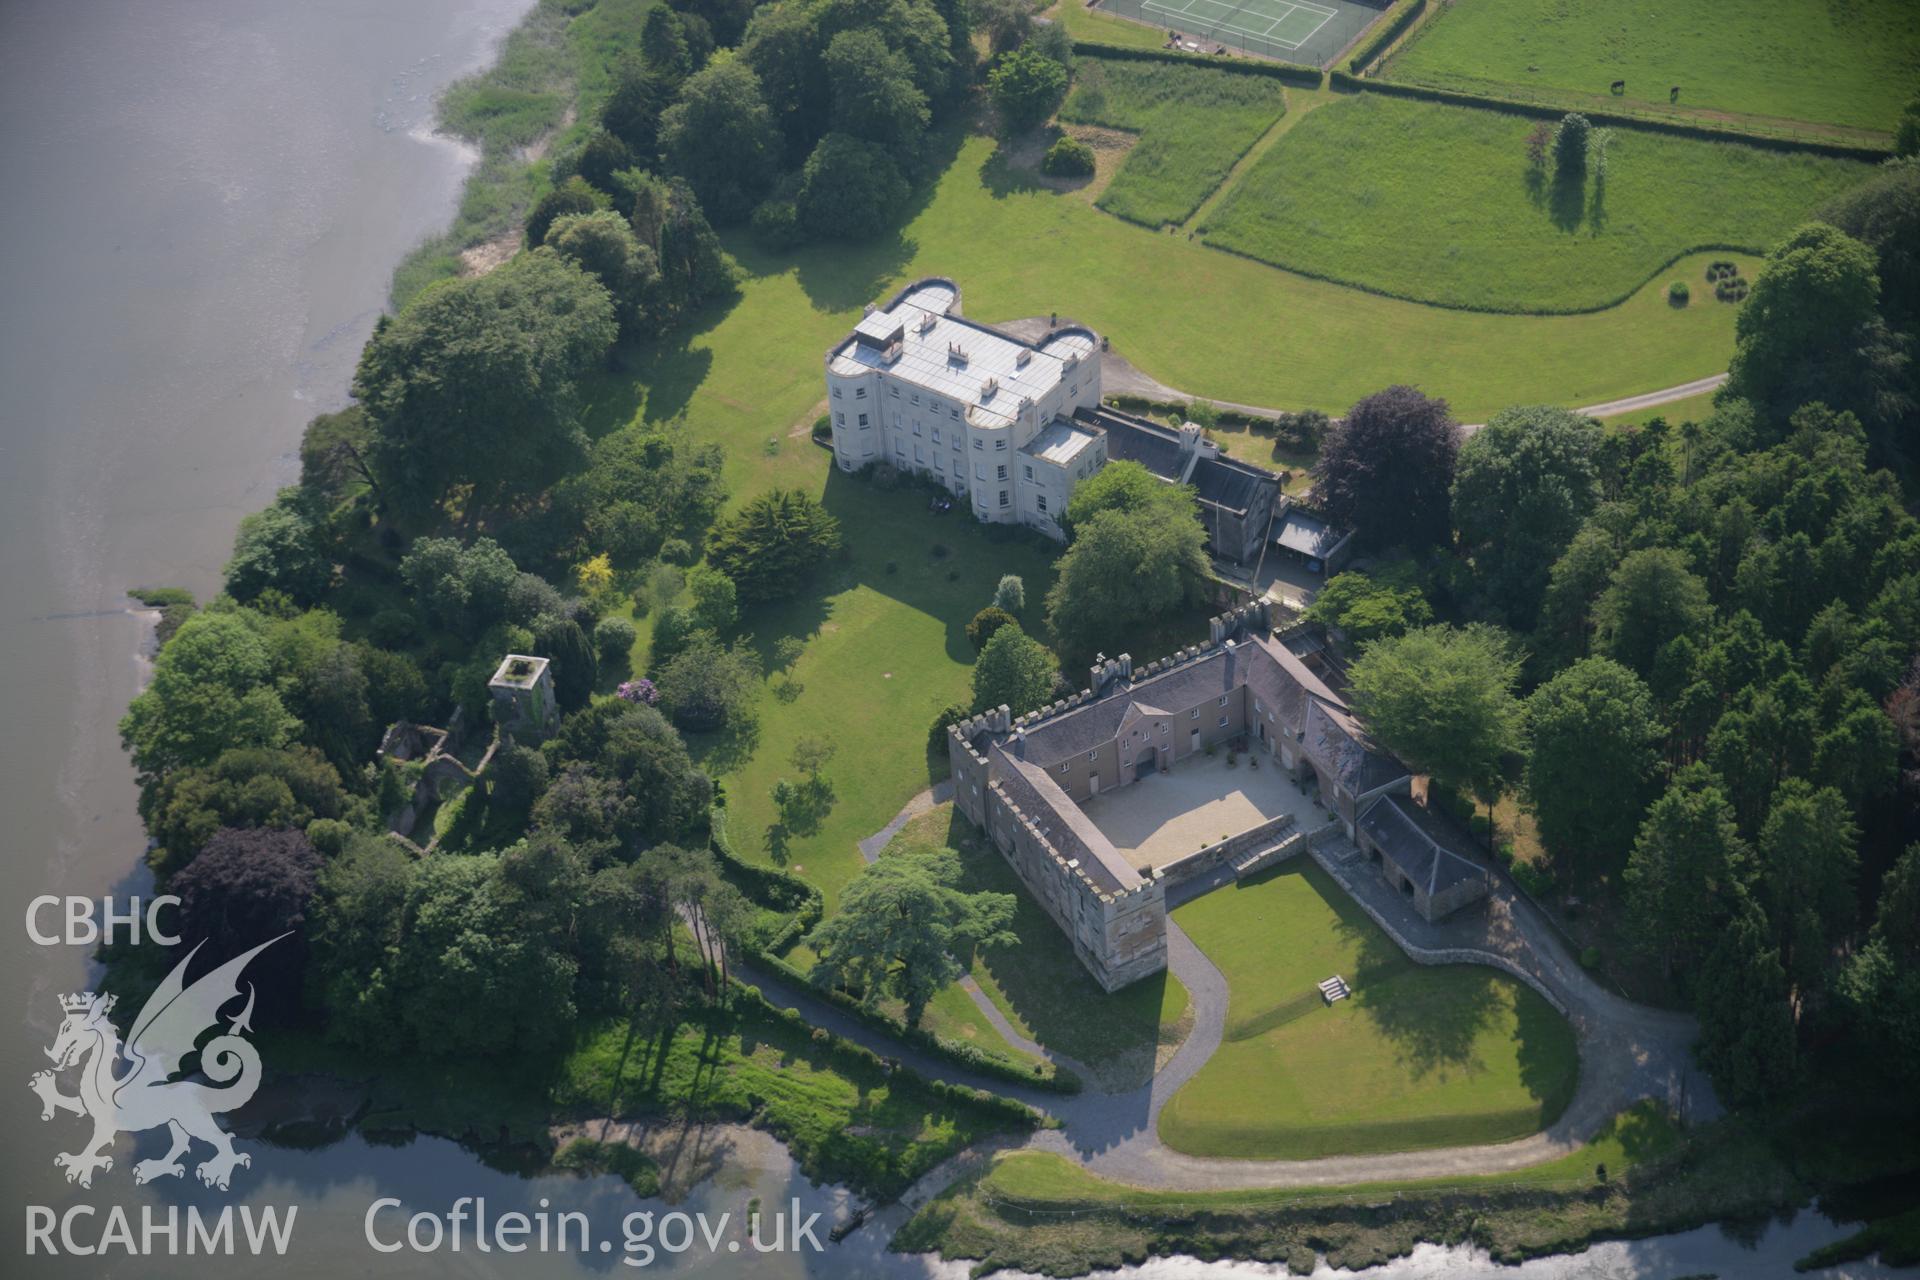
(1310, 31)
(1287, 23)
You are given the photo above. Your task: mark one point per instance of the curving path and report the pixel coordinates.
(1627, 1051)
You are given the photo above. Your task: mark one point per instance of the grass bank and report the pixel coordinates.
(1194, 123)
(1454, 1055)
(1039, 1213)
(1439, 204)
(1851, 65)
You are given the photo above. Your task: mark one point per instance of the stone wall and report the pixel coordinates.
(1191, 865)
(1440, 955)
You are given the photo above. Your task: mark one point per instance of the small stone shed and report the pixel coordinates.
(1418, 853)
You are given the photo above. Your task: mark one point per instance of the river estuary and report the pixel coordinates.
(203, 201)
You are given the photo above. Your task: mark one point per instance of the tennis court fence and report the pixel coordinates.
(1277, 29)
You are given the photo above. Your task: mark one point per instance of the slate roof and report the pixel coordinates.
(1223, 482)
(1308, 535)
(1417, 843)
(1099, 722)
(1055, 816)
(1335, 741)
(1156, 449)
(1306, 709)
(1231, 485)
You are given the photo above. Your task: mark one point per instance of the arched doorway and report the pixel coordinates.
(1146, 764)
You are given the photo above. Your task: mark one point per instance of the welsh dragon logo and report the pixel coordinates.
(145, 1095)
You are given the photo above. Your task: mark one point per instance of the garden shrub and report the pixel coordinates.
(1678, 293)
(1068, 158)
(613, 636)
(776, 224)
(823, 428)
(954, 713)
(985, 623)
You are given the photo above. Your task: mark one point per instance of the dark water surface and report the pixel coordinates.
(200, 204)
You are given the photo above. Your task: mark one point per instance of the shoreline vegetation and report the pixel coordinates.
(551, 70)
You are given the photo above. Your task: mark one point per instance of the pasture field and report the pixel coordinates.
(1419, 1057)
(1193, 122)
(1852, 64)
(1441, 204)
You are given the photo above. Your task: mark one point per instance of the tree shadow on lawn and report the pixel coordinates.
(1051, 991)
(894, 528)
(721, 751)
(1432, 1016)
(646, 382)
(844, 277)
(1563, 197)
(1567, 200)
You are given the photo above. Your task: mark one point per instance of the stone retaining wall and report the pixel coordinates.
(1442, 955)
(1192, 865)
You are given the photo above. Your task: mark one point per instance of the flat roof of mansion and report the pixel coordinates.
(948, 355)
(1060, 443)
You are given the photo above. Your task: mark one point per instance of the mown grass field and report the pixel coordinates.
(1440, 204)
(1039, 985)
(1851, 64)
(1193, 122)
(1419, 1057)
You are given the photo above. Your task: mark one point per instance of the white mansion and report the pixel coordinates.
(987, 415)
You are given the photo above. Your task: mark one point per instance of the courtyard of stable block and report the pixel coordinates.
(1200, 801)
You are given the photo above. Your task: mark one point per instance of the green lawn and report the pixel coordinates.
(1419, 1057)
(1040, 985)
(1438, 204)
(1103, 28)
(1193, 122)
(1850, 64)
(886, 651)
